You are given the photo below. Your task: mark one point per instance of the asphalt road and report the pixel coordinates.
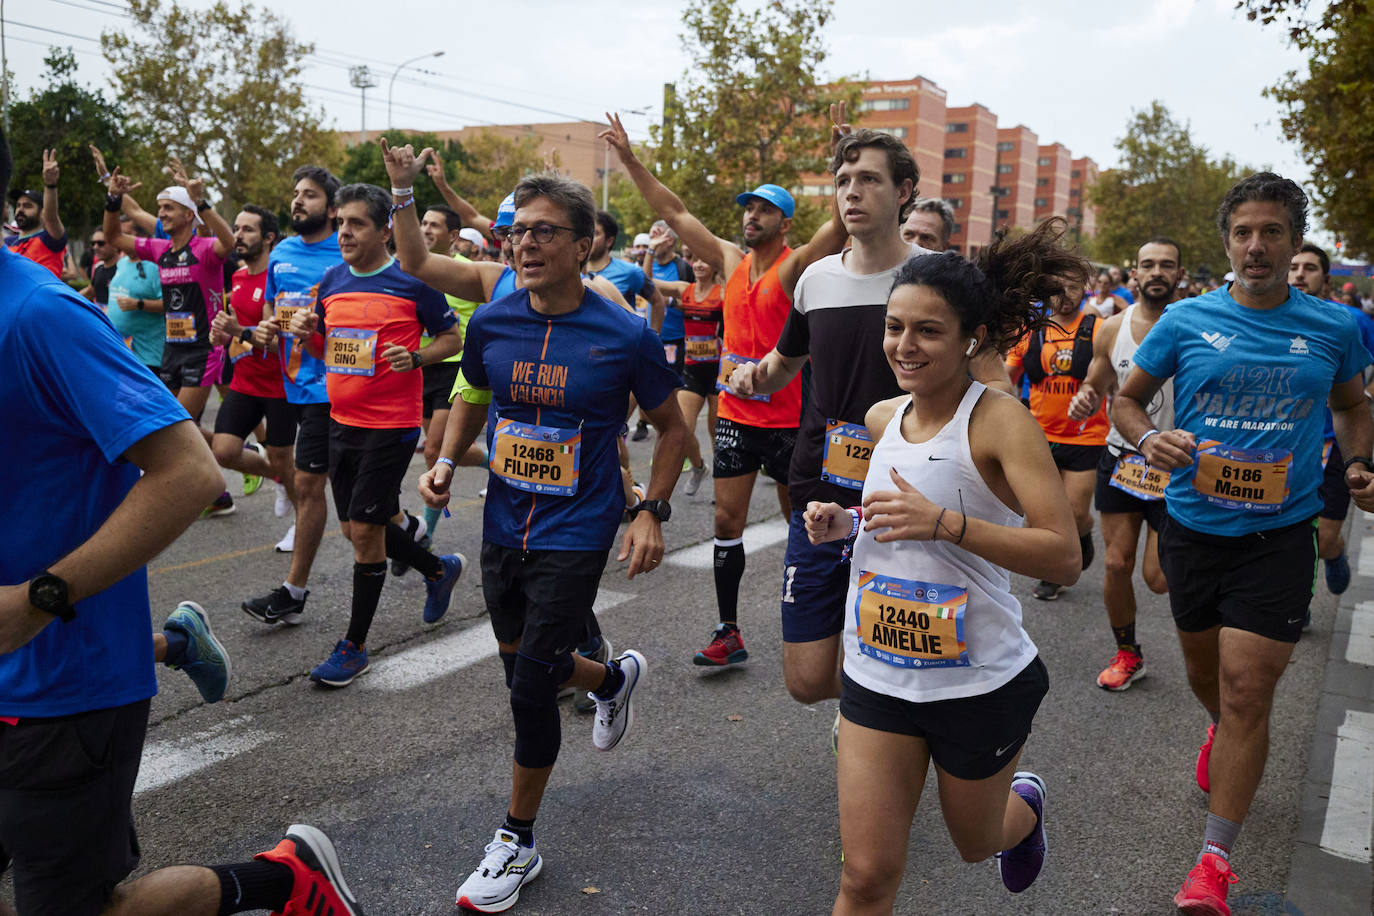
(721, 800)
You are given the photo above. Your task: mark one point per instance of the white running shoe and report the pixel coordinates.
(283, 504)
(615, 716)
(505, 868)
(288, 543)
(694, 479)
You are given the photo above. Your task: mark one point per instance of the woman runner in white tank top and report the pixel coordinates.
(961, 490)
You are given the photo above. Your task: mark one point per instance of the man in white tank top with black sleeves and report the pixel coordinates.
(1128, 492)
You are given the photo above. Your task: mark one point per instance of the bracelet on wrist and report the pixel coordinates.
(104, 178)
(50, 187)
(202, 206)
(442, 460)
(1141, 441)
(408, 202)
(403, 192)
(113, 203)
(855, 516)
(1367, 461)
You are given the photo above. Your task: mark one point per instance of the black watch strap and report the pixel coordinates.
(1365, 460)
(658, 508)
(50, 594)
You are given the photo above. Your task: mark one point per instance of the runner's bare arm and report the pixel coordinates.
(828, 239)
(115, 236)
(465, 421)
(180, 477)
(1101, 377)
(657, 304)
(467, 211)
(1355, 434)
(471, 280)
(52, 222)
(1167, 450)
(719, 253)
(768, 375)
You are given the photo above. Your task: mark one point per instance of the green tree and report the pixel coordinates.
(494, 166)
(748, 109)
(66, 116)
(363, 162)
(221, 88)
(1166, 185)
(1326, 110)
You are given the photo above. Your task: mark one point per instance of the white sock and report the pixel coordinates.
(297, 593)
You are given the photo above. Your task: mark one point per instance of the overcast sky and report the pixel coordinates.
(1072, 71)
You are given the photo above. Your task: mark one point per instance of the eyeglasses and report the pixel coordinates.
(95, 242)
(543, 233)
(500, 232)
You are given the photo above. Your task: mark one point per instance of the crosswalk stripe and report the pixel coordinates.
(166, 762)
(1350, 803)
(756, 537)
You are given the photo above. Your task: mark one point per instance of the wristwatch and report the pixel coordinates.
(658, 508)
(48, 593)
(414, 359)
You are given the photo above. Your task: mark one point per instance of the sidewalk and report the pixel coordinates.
(1330, 874)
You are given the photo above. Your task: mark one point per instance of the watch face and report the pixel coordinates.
(49, 594)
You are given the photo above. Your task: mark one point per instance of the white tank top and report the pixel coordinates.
(926, 620)
(1161, 408)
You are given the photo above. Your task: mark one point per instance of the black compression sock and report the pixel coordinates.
(729, 568)
(402, 546)
(522, 828)
(1125, 638)
(257, 885)
(612, 682)
(368, 579)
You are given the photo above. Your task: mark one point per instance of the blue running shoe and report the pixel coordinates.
(441, 589)
(345, 663)
(1338, 574)
(207, 661)
(1021, 864)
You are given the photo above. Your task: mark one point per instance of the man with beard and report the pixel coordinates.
(1129, 493)
(1252, 364)
(41, 236)
(256, 391)
(629, 278)
(759, 431)
(929, 225)
(294, 270)
(1311, 273)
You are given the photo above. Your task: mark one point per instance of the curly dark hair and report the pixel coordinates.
(1265, 186)
(1005, 285)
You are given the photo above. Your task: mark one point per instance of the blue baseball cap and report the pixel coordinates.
(505, 214)
(770, 193)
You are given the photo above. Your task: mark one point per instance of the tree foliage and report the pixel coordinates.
(221, 88)
(66, 116)
(1326, 111)
(748, 108)
(1166, 185)
(363, 162)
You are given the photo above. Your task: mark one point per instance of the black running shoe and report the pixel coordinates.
(277, 606)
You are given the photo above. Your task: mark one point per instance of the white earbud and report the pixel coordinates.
(972, 346)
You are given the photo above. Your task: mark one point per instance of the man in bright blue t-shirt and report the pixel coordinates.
(1252, 365)
(119, 470)
(556, 364)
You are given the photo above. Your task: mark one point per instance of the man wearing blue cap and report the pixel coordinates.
(757, 432)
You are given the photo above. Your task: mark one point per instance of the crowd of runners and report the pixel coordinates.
(934, 423)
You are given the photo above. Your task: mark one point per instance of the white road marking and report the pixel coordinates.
(756, 537)
(1360, 649)
(1367, 556)
(1350, 805)
(166, 762)
(413, 667)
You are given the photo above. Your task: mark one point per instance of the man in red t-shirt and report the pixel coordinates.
(42, 237)
(256, 391)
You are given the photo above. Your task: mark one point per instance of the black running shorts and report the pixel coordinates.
(439, 379)
(1071, 457)
(1114, 500)
(66, 815)
(312, 438)
(541, 598)
(366, 470)
(969, 737)
(744, 449)
(240, 414)
(1261, 583)
(700, 378)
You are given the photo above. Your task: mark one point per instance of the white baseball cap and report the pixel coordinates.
(642, 240)
(472, 235)
(179, 195)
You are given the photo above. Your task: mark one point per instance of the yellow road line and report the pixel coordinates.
(248, 551)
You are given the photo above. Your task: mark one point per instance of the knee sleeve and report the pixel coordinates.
(534, 705)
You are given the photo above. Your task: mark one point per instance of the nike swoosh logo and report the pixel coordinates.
(1002, 750)
(933, 458)
(1295, 620)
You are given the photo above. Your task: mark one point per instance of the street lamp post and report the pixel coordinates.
(392, 84)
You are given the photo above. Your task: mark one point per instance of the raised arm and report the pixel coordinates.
(116, 186)
(828, 239)
(471, 280)
(51, 221)
(719, 253)
(465, 210)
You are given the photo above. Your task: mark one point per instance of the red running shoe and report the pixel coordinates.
(1204, 890)
(319, 888)
(1204, 760)
(726, 648)
(1126, 668)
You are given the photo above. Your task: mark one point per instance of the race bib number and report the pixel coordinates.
(1253, 480)
(670, 353)
(180, 327)
(238, 350)
(909, 624)
(537, 459)
(1326, 452)
(288, 304)
(351, 351)
(728, 363)
(847, 451)
(1137, 478)
(703, 349)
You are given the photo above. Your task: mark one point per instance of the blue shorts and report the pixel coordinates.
(815, 583)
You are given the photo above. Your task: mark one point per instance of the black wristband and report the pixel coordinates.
(50, 187)
(113, 203)
(140, 305)
(1360, 459)
(246, 335)
(202, 207)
